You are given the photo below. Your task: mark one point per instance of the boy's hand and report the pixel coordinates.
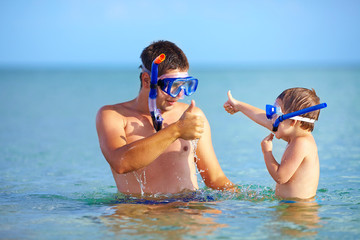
(230, 104)
(191, 125)
(266, 144)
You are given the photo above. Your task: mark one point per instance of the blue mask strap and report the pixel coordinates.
(296, 113)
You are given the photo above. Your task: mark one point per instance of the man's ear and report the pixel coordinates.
(145, 79)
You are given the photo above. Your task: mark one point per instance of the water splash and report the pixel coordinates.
(254, 193)
(251, 193)
(141, 178)
(194, 144)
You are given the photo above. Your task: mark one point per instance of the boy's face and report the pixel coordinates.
(285, 127)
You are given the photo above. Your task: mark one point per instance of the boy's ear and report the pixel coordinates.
(293, 122)
(145, 78)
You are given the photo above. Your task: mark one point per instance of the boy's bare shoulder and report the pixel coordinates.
(306, 144)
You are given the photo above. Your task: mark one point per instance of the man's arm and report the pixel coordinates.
(207, 162)
(124, 157)
(256, 114)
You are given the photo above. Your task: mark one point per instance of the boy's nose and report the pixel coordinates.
(273, 119)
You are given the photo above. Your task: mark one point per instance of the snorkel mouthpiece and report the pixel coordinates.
(296, 113)
(154, 111)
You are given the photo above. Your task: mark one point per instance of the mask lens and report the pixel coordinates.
(191, 87)
(273, 111)
(176, 87)
(173, 86)
(270, 111)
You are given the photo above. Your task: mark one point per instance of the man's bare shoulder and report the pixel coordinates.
(115, 109)
(115, 112)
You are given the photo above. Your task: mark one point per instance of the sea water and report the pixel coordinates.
(55, 183)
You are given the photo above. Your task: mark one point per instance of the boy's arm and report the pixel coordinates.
(124, 157)
(256, 114)
(207, 162)
(291, 160)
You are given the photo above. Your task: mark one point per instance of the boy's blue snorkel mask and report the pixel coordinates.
(172, 84)
(275, 111)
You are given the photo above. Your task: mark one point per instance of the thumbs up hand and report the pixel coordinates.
(231, 104)
(191, 106)
(190, 125)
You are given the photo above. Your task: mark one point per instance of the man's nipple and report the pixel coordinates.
(186, 148)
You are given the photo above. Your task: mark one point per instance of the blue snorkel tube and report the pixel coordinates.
(154, 111)
(296, 113)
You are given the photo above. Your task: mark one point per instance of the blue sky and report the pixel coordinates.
(113, 33)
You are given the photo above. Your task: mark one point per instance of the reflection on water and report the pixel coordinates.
(177, 216)
(199, 213)
(167, 221)
(297, 219)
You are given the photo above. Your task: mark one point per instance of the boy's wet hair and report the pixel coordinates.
(295, 99)
(175, 57)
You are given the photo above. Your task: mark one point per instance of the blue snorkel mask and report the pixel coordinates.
(172, 84)
(274, 111)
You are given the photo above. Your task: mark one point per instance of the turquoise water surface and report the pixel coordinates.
(55, 183)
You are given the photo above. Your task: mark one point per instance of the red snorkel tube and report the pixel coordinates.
(154, 111)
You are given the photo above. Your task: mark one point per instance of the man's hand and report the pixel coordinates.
(230, 104)
(266, 144)
(191, 125)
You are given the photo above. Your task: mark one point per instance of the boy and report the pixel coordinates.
(297, 175)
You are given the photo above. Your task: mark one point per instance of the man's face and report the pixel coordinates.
(166, 102)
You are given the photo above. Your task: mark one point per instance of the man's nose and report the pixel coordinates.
(181, 94)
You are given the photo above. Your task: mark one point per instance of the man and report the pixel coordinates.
(145, 161)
